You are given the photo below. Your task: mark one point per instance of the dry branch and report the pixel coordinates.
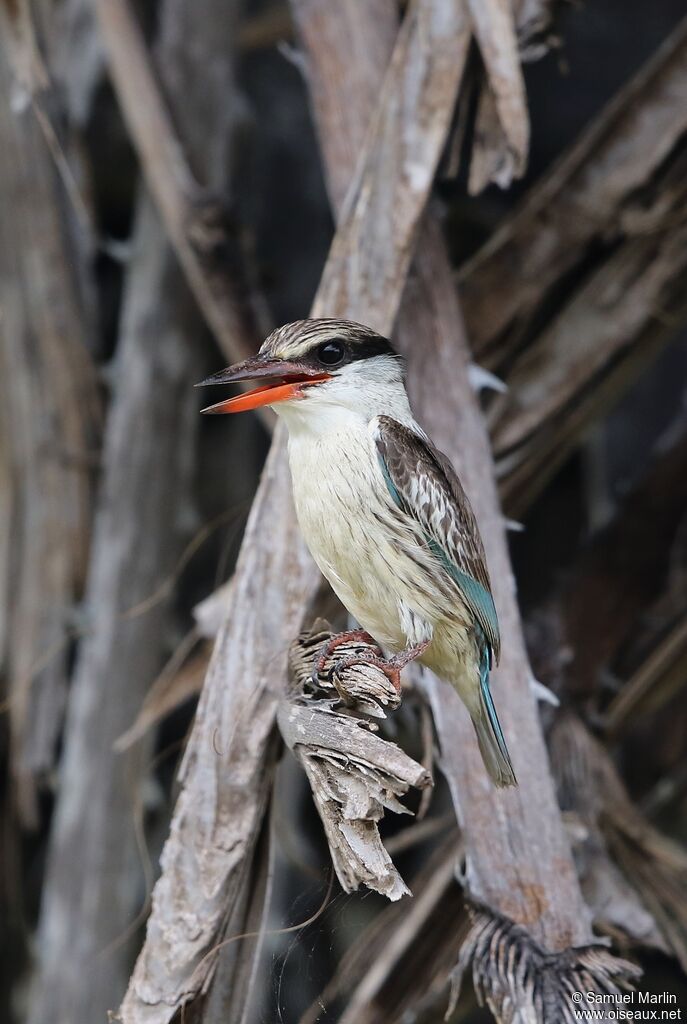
(193, 207)
(50, 419)
(150, 453)
(354, 774)
(590, 276)
(92, 889)
(226, 771)
(353, 780)
(363, 687)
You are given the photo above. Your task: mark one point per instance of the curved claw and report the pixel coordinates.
(388, 666)
(364, 658)
(329, 646)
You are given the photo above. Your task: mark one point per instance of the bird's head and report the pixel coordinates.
(313, 366)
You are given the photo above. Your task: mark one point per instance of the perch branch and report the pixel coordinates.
(354, 774)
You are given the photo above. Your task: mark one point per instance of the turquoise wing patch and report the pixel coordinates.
(477, 597)
(393, 490)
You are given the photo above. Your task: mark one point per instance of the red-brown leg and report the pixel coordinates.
(391, 667)
(328, 648)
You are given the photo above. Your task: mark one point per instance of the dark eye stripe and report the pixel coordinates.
(356, 346)
(367, 347)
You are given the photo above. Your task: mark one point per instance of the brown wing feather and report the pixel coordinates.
(432, 493)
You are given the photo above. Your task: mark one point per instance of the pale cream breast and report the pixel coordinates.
(336, 492)
(374, 554)
(376, 565)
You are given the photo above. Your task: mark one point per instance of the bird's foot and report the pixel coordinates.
(391, 667)
(327, 649)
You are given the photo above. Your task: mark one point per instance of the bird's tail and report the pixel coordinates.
(492, 743)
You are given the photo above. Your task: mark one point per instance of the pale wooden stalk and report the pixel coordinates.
(93, 884)
(50, 412)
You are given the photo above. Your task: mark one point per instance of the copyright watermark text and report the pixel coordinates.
(592, 1006)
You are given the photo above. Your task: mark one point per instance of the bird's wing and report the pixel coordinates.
(424, 485)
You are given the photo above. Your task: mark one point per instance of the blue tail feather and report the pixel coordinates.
(492, 742)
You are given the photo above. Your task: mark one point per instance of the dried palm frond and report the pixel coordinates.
(523, 984)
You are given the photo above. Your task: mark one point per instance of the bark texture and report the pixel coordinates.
(93, 889)
(50, 418)
(149, 453)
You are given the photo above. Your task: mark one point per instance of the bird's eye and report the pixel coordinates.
(331, 353)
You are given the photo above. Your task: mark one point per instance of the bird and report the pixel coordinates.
(381, 510)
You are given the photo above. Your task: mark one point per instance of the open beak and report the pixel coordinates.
(284, 380)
